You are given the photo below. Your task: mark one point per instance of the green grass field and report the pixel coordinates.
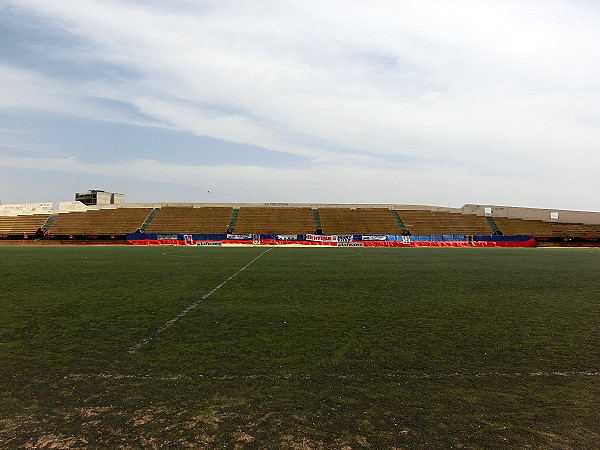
(304, 348)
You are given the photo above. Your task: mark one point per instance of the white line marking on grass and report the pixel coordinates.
(421, 376)
(161, 330)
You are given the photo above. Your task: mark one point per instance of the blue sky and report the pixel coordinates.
(437, 102)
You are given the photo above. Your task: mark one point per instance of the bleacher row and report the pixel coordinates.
(285, 220)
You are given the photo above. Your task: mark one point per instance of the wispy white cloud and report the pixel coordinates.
(354, 184)
(475, 86)
(23, 90)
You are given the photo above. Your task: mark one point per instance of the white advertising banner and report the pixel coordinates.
(377, 237)
(287, 237)
(329, 238)
(321, 238)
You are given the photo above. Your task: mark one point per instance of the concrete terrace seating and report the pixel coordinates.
(358, 221)
(541, 229)
(282, 220)
(181, 219)
(426, 222)
(99, 222)
(22, 224)
(578, 230)
(536, 228)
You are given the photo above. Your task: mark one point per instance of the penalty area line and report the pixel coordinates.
(169, 323)
(420, 376)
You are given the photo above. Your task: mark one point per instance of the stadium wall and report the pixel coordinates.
(547, 215)
(41, 208)
(347, 240)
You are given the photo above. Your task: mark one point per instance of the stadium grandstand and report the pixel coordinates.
(175, 219)
(111, 223)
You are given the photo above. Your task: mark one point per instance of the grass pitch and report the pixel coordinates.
(305, 348)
